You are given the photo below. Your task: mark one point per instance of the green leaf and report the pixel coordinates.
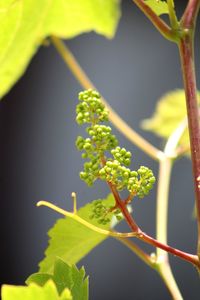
(71, 240)
(64, 276)
(33, 292)
(39, 278)
(169, 113)
(158, 6)
(26, 23)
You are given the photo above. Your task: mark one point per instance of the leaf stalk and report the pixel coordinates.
(160, 25)
(80, 220)
(140, 235)
(172, 15)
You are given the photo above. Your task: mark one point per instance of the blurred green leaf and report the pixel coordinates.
(34, 292)
(169, 113)
(26, 23)
(160, 7)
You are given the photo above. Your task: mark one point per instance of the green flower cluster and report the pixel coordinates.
(91, 170)
(91, 108)
(118, 214)
(117, 174)
(138, 182)
(101, 136)
(121, 155)
(92, 111)
(100, 212)
(100, 140)
(142, 183)
(104, 214)
(85, 144)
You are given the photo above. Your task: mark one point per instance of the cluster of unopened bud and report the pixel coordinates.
(118, 214)
(114, 170)
(100, 212)
(121, 155)
(90, 108)
(91, 170)
(84, 144)
(146, 181)
(115, 173)
(142, 182)
(138, 182)
(104, 214)
(101, 136)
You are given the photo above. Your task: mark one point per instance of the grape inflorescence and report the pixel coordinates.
(106, 160)
(104, 214)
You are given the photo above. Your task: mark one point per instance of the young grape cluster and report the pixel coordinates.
(105, 159)
(121, 155)
(90, 108)
(100, 212)
(104, 214)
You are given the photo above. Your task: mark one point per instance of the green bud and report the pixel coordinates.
(87, 146)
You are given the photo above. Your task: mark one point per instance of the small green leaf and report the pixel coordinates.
(64, 276)
(160, 7)
(25, 24)
(169, 113)
(34, 292)
(71, 240)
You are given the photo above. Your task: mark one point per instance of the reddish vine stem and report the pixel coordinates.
(161, 26)
(140, 253)
(186, 53)
(186, 49)
(189, 17)
(184, 255)
(148, 239)
(145, 237)
(121, 204)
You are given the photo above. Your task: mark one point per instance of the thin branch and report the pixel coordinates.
(165, 272)
(154, 242)
(176, 252)
(117, 121)
(164, 176)
(188, 19)
(161, 26)
(148, 239)
(75, 217)
(138, 251)
(139, 234)
(122, 206)
(158, 264)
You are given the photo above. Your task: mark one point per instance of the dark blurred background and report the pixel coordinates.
(39, 159)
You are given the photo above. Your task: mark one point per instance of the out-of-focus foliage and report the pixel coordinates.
(169, 113)
(26, 23)
(160, 7)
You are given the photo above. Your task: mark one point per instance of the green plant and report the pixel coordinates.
(105, 160)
